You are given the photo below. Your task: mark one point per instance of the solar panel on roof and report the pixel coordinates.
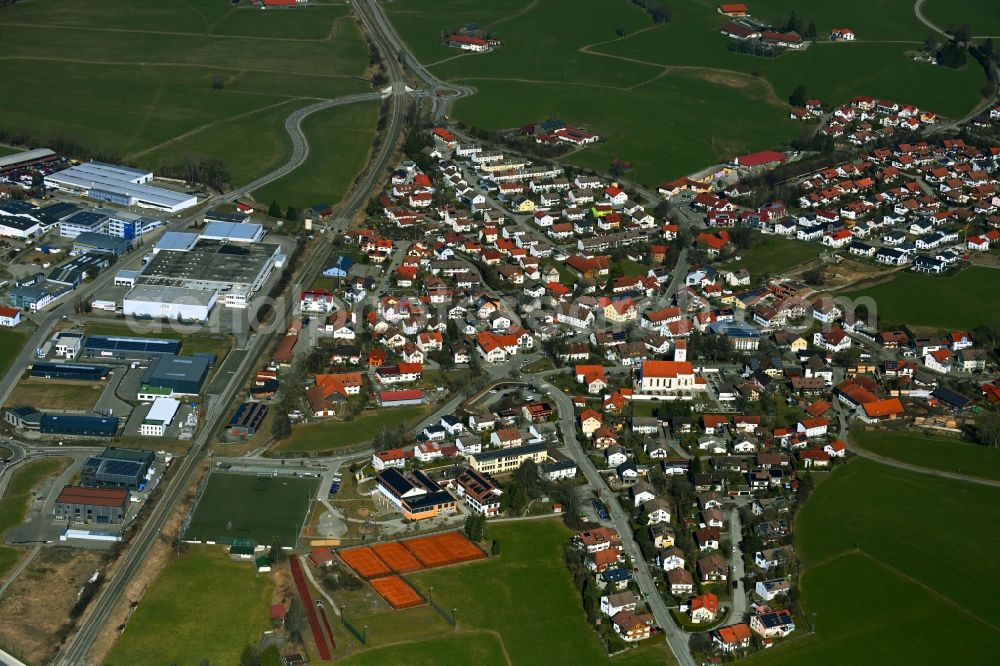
(121, 467)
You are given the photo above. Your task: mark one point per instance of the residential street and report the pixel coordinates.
(677, 639)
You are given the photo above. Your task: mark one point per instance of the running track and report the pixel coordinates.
(317, 630)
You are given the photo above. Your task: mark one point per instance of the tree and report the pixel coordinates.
(295, 620)
(475, 527)
(495, 548)
(964, 34)
(270, 656)
(281, 427)
(292, 214)
(621, 30)
(567, 495)
(218, 83)
(527, 476)
(798, 96)
(249, 656)
(814, 277)
(988, 429)
(515, 498)
(275, 554)
(811, 31)
(274, 210)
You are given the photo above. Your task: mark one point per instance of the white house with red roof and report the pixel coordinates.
(616, 195)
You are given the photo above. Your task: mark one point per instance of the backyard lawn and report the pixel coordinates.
(773, 254)
(866, 528)
(945, 453)
(338, 434)
(202, 608)
(934, 302)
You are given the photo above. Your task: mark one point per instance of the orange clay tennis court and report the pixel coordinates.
(364, 562)
(396, 591)
(439, 550)
(397, 557)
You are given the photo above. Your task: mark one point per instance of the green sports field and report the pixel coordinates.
(934, 302)
(894, 567)
(244, 506)
(144, 78)
(203, 606)
(935, 452)
(671, 98)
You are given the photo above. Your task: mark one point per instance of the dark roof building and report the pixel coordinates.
(74, 371)
(141, 349)
(246, 420)
(78, 426)
(117, 468)
(183, 374)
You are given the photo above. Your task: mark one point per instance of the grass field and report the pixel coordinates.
(8, 150)
(14, 503)
(201, 607)
(243, 506)
(480, 649)
(143, 77)
(774, 254)
(902, 542)
(55, 394)
(338, 434)
(944, 303)
(981, 15)
(944, 453)
(339, 142)
(489, 595)
(11, 341)
(672, 98)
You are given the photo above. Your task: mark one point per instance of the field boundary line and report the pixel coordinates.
(168, 33)
(928, 588)
(194, 65)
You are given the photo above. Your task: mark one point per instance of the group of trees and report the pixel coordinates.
(210, 171)
(659, 12)
(797, 25)
(475, 527)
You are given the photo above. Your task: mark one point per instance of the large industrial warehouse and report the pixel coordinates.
(183, 375)
(118, 185)
(235, 271)
(163, 302)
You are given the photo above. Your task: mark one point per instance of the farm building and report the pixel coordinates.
(92, 505)
(401, 398)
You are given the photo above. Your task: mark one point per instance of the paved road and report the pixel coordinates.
(739, 570)
(676, 639)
